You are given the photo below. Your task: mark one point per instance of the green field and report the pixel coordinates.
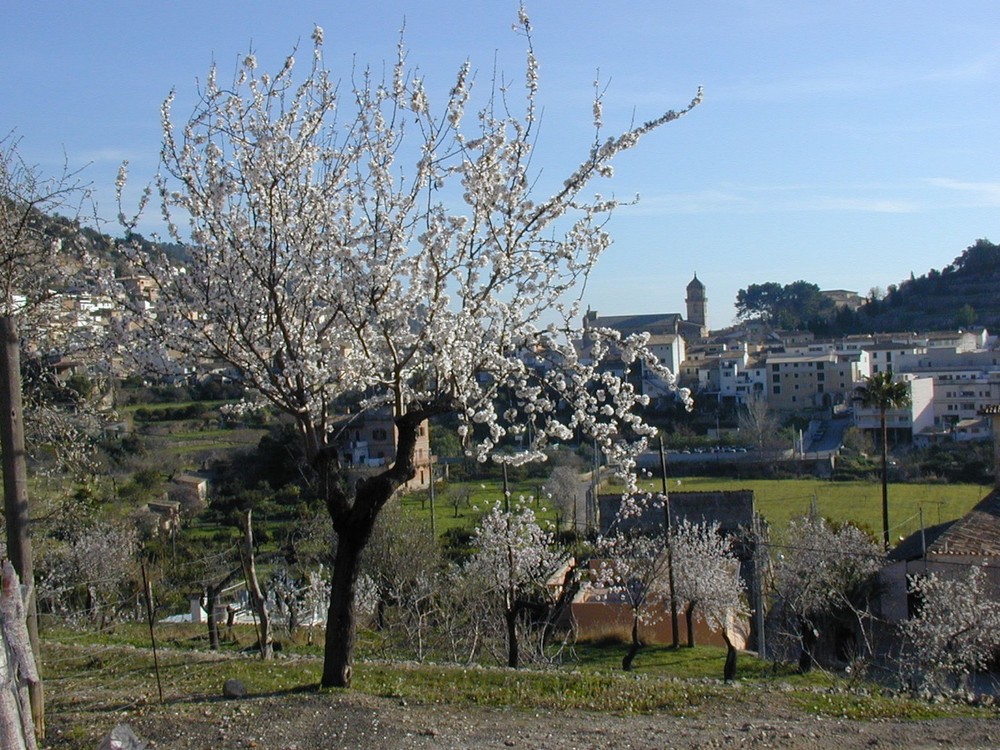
(778, 500)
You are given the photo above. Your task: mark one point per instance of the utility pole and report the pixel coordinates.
(433, 519)
(758, 585)
(674, 622)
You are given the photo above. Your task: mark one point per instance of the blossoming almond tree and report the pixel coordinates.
(708, 580)
(512, 559)
(823, 572)
(354, 241)
(956, 631)
(635, 568)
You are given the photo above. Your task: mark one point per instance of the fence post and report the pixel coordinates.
(18, 670)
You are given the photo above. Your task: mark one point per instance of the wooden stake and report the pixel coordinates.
(148, 589)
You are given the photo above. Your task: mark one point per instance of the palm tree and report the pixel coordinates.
(880, 392)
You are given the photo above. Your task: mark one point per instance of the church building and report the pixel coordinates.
(691, 329)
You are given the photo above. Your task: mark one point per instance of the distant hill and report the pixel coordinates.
(76, 239)
(963, 294)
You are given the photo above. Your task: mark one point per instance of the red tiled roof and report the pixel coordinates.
(977, 533)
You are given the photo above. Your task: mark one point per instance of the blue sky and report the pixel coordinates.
(845, 143)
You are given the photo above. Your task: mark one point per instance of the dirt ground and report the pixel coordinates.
(304, 721)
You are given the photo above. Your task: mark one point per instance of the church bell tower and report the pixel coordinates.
(697, 303)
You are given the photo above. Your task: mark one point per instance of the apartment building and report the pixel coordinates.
(804, 381)
(884, 351)
(732, 378)
(965, 383)
(913, 420)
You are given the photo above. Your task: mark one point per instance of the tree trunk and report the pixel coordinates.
(15, 487)
(885, 480)
(689, 621)
(353, 523)
(633, 649)
(211, 604)
(729, 670)
(257, 598)
(809, 636)
(341, 622)
(510, 616)
(212, 593)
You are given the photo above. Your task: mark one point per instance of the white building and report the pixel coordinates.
(915, 419)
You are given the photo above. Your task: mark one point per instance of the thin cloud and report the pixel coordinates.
(980, 193)
(778, 199)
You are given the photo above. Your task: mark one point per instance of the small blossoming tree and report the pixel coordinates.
(513, 558)
(956, 630)
(707, 579)
(634, 566)
(357, 242)
(821, 573)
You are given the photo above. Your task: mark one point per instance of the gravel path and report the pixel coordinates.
(329, 722)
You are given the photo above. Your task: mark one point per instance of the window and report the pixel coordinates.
(379, 433)
(776, 390)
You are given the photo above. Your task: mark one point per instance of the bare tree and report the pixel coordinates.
(824, 572)
(407, 573)
(27, 269)
(761, 428)
(324, 268)
(258, 601)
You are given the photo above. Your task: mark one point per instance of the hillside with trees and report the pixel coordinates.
(961, 295)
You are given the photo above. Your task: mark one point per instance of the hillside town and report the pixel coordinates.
(951, 376)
